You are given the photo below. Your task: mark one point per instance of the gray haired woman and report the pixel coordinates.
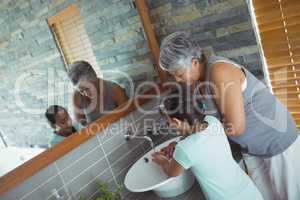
(93, 97)
(253, 117)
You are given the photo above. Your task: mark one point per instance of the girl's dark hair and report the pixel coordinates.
(52, 111)
(181, 106)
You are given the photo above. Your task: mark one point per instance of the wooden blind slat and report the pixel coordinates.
(278, 24)
(290, 101)
(293, 29)
(286, 91)
(278, 76)
(295, 53)
(290, 79)
(284, 69)
(279, 61)
(281, 67)
(274, 25)
(294, 108)
(290, 7)
(294, 49)
(273, 35)
(280, 96)
(298, 119)
(294, 41)
(270, 13)
(269, 19)
(286, 79)
(259, 4)
(277, 53)
(296, 105)
(275, 46)
(288, 2)
(284, 72)
(285, 86)
(259, 13)
(286, 95)
(292, 20)
(296, 58)
(296, 115)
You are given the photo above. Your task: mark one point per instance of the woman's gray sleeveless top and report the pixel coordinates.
(270, 128)
(107, 100)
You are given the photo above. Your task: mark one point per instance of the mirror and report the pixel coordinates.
(58, 62)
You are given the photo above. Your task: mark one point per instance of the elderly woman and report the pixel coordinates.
(93, 96)
(253, 117)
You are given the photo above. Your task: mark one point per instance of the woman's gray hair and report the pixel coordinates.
(81, 70)
(177, 51)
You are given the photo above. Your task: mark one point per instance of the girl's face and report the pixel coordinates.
(189, 75)
(62, 120)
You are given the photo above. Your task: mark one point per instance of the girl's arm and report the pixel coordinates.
(170, 167)
(227, 91)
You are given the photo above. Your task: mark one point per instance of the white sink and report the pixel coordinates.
(146, 176)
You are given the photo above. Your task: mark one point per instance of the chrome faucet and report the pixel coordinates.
(147, 138)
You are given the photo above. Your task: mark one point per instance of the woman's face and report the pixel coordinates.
(87, 88)
(188, 75)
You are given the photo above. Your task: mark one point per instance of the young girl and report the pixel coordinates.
(60, 120)
(205, 150)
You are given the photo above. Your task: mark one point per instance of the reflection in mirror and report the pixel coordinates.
(93, 96)
(67, 65)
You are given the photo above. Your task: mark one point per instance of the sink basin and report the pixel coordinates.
(148, 176)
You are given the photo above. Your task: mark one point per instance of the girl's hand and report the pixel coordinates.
(169, 150)
(160, 159)
(182, 126)
(170, 167)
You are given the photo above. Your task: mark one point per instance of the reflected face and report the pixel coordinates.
(62, 119)
(87, 88)
(188, 75)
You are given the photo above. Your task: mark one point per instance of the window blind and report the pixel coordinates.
(72, 40)
(279, 30)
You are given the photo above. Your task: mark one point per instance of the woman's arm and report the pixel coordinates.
(227, 91)
(119, 94)
(78, 112)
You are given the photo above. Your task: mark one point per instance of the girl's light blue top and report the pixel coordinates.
(57, 138)
(208, 155)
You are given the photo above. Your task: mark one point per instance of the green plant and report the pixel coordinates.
(105, 194)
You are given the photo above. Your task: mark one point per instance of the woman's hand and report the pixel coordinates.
(169, 150)
(182, 126)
